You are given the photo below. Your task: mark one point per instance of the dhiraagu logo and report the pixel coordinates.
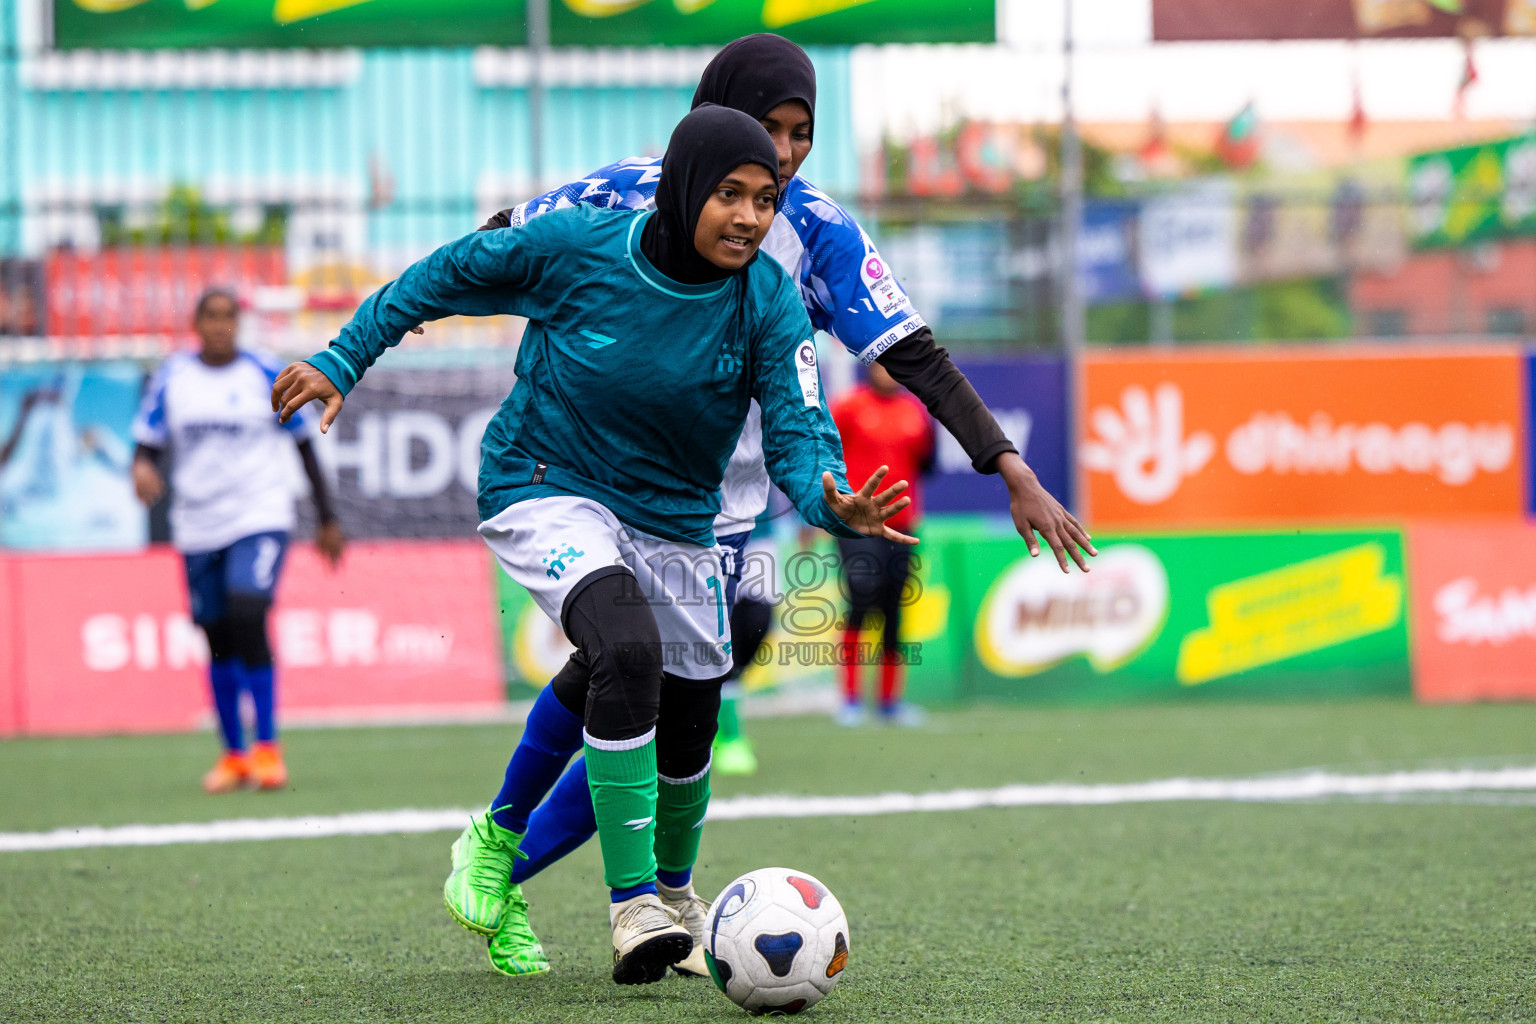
(1034, 617)
(1293, 610)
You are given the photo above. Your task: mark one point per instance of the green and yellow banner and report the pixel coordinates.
(161, 24)
(1178, 615)
(1473, 194)
(811, 22)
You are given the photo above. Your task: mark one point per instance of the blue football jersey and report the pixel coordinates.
(848, 290)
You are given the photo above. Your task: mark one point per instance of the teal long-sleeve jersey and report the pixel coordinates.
(631, 387)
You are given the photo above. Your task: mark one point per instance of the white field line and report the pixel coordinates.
(1311, 786)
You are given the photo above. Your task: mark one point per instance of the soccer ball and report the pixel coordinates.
(776, 941)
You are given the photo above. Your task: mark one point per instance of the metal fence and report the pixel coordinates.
(130, 180)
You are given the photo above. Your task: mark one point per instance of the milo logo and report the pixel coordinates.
(1034, 617)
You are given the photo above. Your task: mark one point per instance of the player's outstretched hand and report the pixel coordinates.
(1036, 511)
(331, 542)
(866, 511)
(297, 386)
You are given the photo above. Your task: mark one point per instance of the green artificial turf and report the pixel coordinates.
(1337, 911)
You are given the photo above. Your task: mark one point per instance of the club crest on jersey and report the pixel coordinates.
(555, 563)
(885, 295)
(805, 370)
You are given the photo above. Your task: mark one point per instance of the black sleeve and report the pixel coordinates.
(924, 369)
(316, 483)
(498, 220)
(148, 451)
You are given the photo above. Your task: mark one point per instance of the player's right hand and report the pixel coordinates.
(866, 511)
(297, 386)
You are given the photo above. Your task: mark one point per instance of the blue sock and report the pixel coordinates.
(551, 736)
(561, 823)
(620, 895)
(674, 879)
(224, 679)
(258, 679)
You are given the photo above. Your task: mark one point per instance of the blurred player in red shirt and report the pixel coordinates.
(882, 425)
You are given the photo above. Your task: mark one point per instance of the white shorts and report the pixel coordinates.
(549, 545)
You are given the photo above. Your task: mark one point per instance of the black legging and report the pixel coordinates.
(875, 571)
(614, 681)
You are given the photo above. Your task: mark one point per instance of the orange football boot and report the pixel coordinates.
(230, 774)
(267, 768)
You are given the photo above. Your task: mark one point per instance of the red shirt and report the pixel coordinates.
(885, 430)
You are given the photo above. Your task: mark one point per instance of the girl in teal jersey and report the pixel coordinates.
(848, 291)
(649, 335)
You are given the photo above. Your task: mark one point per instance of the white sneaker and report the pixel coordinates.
(693, 912)
(647, 939)
(849, 716)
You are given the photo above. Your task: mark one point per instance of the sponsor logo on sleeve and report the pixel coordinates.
(805, 370)
(885, 294)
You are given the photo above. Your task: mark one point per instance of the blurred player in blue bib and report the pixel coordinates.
(231, 514)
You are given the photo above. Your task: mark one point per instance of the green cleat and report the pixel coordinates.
(477, 890)
(734, 757)
(514, 949)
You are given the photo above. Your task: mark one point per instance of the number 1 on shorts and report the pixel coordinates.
(714, 581)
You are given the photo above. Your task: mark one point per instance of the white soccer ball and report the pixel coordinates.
(776, 941)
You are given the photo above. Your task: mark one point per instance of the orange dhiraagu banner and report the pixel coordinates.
(1474, 611)
(104, 642)
(1302, 436)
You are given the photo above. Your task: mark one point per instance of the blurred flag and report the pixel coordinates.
(1156, 156)
(1357, 124)
(1238, 144)
(1468, 79)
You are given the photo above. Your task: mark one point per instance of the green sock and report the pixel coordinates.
(623, 784)
(730, 721)
(680, 822)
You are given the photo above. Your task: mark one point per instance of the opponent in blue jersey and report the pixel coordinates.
(650, 334)
(847, 291)
(231, 513)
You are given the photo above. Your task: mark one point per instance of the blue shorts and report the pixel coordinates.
(733, 548)
(248, 566)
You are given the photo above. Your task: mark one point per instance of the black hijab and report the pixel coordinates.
(707, 145)
(756, 73)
